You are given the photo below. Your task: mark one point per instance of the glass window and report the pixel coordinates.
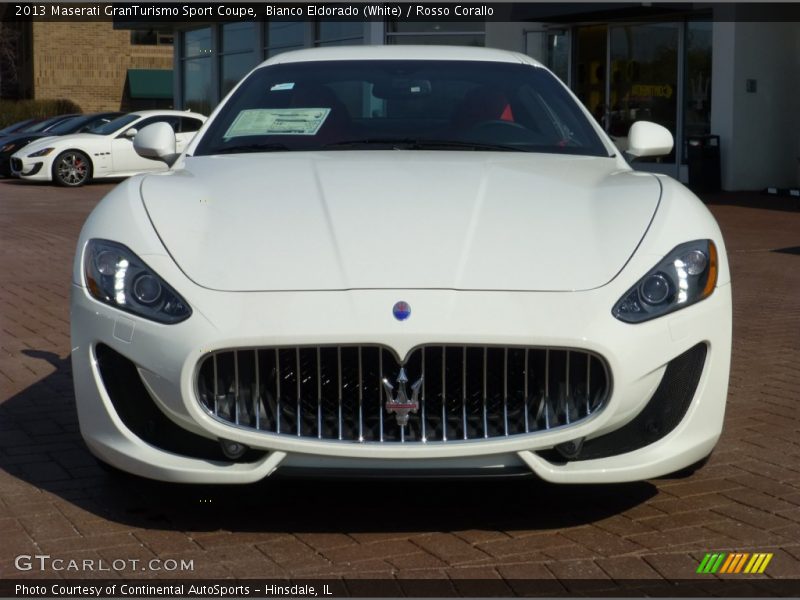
(115, 125)
(238, 37)
(189, 124)
(197, 85)
(697, 99)
(172, 121)
(197, 43)
(435, 27)
(197, 49)
(401, 104)
(337, 33)
(458, 33)
(472, 39)
(150, 37)
(238, 53)
(233, 67)
(589, 80)
(644, 78)
(281, 36)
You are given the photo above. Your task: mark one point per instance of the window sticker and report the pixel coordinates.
(282, 86)
(278, 121)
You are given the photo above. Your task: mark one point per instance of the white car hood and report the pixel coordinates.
(401, 219)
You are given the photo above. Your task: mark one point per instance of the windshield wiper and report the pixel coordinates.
(243, 148)
(422, 144)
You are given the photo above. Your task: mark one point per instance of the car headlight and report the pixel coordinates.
(684, 276)
(117, 277)
(42, 152)
(8, 147)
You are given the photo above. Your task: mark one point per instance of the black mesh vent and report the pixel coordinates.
(662, 414)
(140, 414)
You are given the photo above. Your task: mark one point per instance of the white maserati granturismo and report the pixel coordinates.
(106, 151)
(403, 261)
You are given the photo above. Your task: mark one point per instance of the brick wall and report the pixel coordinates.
(88, 62)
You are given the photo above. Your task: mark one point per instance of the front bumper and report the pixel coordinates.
(30, 168)
(167, 357)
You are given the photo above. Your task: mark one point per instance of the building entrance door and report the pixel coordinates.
(630, 72)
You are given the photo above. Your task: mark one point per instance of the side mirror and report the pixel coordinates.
(649, 139)
(156, 141)
(131, 133)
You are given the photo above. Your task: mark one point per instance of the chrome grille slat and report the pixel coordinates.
(339, 379)
(236, 386)
(319, 395)
(216, 387)
(464, 390)
(588, 383)
(546, 389)
(360, 399)
(336, 392)
(444, 393)
(485, 415)
(278, 411)
(257, 394)
(525, 392)
(380, 392)
(424, 429)
(567, 396)
(299, 377)
(505, 391)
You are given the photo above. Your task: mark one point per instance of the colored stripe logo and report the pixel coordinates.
(733, 563)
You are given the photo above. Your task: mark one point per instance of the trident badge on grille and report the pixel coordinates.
(401, 405)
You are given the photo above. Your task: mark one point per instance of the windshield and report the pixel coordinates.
(67, 126)
(399, 104)
(76, 124)
(115, 125)
(19, 126)
(47, 123)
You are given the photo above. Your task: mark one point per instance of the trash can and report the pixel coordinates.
(704, 163)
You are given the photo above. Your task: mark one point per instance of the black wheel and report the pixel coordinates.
(72, 168)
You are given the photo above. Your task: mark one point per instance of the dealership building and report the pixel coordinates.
(696, 69)
(723, 78)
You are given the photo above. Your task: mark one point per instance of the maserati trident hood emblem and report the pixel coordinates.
(401, 405)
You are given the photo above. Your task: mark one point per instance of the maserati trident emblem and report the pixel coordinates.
(401, 310)
(401, 405)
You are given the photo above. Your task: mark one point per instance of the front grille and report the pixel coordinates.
(16, 164)
(462, 392)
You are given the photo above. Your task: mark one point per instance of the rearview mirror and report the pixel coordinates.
(156, 141)
(402, 89)
(648, 139)
(131, 133)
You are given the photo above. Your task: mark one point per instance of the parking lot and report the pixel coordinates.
(55, 500)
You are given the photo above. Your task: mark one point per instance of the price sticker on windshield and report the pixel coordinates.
(278, 121)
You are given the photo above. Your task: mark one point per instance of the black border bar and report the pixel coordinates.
(700, 587)
(186, 13)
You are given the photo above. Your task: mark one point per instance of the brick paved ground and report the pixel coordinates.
(55, 500)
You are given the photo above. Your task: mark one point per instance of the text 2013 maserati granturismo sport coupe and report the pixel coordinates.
(403, 261)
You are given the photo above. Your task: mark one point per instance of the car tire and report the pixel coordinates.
(72, 168)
